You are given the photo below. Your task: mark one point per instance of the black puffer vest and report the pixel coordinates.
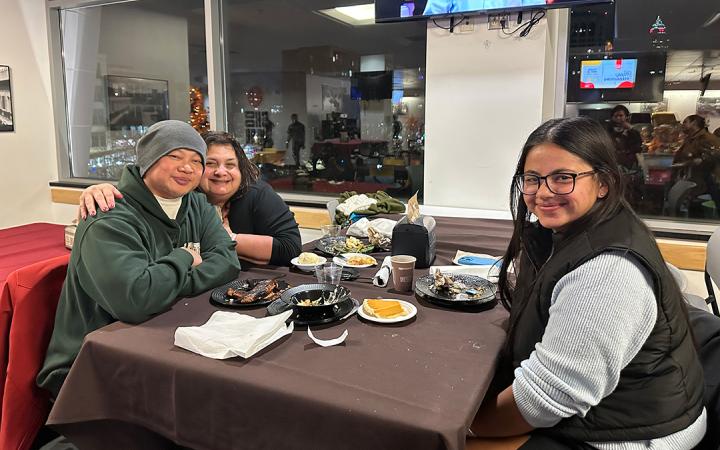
(661, 390)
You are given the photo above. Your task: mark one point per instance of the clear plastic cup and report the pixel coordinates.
(330, 273)
(330, 230)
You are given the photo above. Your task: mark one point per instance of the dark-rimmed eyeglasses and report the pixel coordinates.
(560, 183)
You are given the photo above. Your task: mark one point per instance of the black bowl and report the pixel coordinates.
(314, 292)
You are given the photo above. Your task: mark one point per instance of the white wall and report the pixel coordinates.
(28, 153)
(485, 93)
(684, 103)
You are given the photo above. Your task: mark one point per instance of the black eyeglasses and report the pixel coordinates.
(561, 183)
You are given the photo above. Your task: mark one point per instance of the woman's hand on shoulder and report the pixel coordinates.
(97, 196)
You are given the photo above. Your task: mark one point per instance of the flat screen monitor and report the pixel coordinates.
(608, 74)
(397, 10)
(593, 79)
(374, 85)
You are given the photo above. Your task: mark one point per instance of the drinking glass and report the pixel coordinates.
(330, 230)
(330, 273)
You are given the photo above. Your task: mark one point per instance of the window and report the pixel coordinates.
(127, 66)
(326, 101)
(662, 63)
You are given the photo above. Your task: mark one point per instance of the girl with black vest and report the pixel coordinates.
(599, 351)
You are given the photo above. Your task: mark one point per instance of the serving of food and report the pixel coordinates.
(317, 300)
(452, 286)
(455, 289)
(241, 293)
(387, 310)
(342, 244)
(308, 261)
(358, 260)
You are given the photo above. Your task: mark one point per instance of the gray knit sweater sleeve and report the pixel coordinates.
(600, 316)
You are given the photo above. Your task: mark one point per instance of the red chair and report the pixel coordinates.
(27, 315)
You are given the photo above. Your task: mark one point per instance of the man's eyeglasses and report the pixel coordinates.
(561, 183)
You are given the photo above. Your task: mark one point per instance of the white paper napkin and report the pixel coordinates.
(328, 342)
(228, 334)
(383, 275)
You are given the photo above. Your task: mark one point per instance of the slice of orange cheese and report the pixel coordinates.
(385, 309)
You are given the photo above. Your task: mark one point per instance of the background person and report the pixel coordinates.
(255, 216)
(599, 351)
(628, 142)
(160, 242)
(296, 137)
(697, 158)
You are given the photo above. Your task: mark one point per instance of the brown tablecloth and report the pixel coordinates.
(413, 385)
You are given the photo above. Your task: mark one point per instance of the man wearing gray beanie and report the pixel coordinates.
(162, 241)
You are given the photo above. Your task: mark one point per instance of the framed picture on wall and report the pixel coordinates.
(136, 102)
(332, 98)
(6, 106)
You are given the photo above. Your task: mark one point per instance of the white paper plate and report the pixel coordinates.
(295, 263)
(340, 262)
(409, 308)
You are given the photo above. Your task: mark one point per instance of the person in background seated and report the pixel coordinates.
(599, 352)
(160, 242)
(628, 142)
(255, 217)
(698, 157)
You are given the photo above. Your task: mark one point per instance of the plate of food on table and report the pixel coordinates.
(356, 260)
(315, 303)
(336, 245)
(308, 261)
(248, 293)
(455, 289)
(383, 310)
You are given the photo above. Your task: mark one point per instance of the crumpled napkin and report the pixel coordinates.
(360, 228)
(229, 334)
(383, 275)
(328, 342)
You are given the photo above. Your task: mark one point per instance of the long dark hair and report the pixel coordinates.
(248, 171)
(587, 139)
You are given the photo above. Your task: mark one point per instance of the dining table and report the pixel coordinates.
(413, 384)
(24, 245)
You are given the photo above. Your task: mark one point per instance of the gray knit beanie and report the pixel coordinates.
(162, 138)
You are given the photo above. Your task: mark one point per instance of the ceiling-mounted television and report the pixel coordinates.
(397, 10)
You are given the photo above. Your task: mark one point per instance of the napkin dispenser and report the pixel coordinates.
(415, 239)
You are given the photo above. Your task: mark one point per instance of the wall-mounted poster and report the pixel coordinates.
(332, 98)
(136, 102)
(6, 110)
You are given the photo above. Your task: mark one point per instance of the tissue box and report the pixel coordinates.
(415, 239)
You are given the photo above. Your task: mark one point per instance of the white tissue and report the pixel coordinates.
(328, 342)
(228, 334)
(383, 275)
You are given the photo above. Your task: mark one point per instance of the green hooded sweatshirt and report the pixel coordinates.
(127, 265)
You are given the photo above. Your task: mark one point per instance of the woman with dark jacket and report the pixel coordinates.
(256, 218)
(599, 352)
